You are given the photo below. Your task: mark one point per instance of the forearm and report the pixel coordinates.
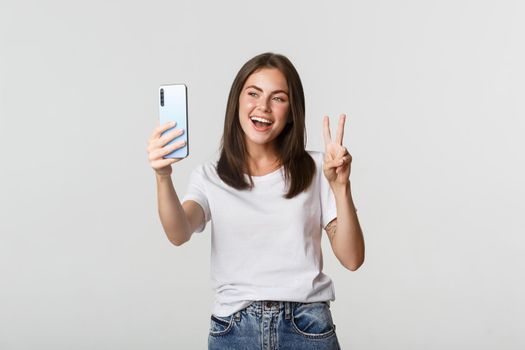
(171, 213)
(348, 242)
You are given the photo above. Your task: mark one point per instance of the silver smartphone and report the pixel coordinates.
(173, 106)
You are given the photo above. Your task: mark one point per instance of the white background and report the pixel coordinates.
(434, 95)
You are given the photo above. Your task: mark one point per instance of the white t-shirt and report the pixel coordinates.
(263, 246)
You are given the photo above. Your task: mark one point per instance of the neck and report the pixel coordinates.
(262, 157)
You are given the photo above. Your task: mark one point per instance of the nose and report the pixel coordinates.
(264, 105)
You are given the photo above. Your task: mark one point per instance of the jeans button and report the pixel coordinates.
(268, 304)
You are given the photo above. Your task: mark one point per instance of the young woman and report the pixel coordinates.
(267, 199)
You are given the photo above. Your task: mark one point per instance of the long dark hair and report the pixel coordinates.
(299, 167)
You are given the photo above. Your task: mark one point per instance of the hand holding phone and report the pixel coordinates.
(158, 148)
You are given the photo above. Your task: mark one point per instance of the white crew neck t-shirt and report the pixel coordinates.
(263, 246)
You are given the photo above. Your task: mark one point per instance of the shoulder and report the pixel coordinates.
(206, 170)
(317, 156)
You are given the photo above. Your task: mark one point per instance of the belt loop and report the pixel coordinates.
(287, 311)
(238, 316)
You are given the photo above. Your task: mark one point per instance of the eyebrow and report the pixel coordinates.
(273, 92)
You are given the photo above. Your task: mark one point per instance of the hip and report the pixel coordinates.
(269, 325)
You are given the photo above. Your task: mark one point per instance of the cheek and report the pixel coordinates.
(282, 110)
(245, 104)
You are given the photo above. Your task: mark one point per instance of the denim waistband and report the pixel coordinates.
(259, 307)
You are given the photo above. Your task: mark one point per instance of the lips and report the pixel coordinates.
(261, 117)
(261, 127)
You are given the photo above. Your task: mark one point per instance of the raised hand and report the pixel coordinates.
(157, 148)
(337, 160)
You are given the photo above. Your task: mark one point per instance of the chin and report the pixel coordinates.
(260, 140)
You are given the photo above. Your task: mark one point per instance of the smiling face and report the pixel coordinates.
(263, 106)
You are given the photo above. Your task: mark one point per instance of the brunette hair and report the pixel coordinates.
(299, 167)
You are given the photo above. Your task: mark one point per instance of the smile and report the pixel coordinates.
(261, 124)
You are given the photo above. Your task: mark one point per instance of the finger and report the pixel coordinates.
(161, 152)
(158, 164)
(167, 137)
(160, 129)
(333, 163)
(160, 141)
(173, 147)
(341, 152)
(326, 130)
(340, 129)
(345, 159)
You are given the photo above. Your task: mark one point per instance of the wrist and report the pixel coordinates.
(162, 177)
(338, 188)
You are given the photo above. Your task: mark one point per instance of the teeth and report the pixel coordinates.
(262, 120)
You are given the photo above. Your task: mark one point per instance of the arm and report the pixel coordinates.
(179, 221)
(344, 232)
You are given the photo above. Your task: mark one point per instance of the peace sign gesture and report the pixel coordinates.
(337, 160)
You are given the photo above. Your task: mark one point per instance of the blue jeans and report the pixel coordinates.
(275, 325)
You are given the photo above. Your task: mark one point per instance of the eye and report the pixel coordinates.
(251, 93)
(279, 99)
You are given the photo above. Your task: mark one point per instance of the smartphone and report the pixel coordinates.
(173, 106)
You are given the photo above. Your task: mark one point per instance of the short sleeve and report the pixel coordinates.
(328, 207)
(196, 191)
